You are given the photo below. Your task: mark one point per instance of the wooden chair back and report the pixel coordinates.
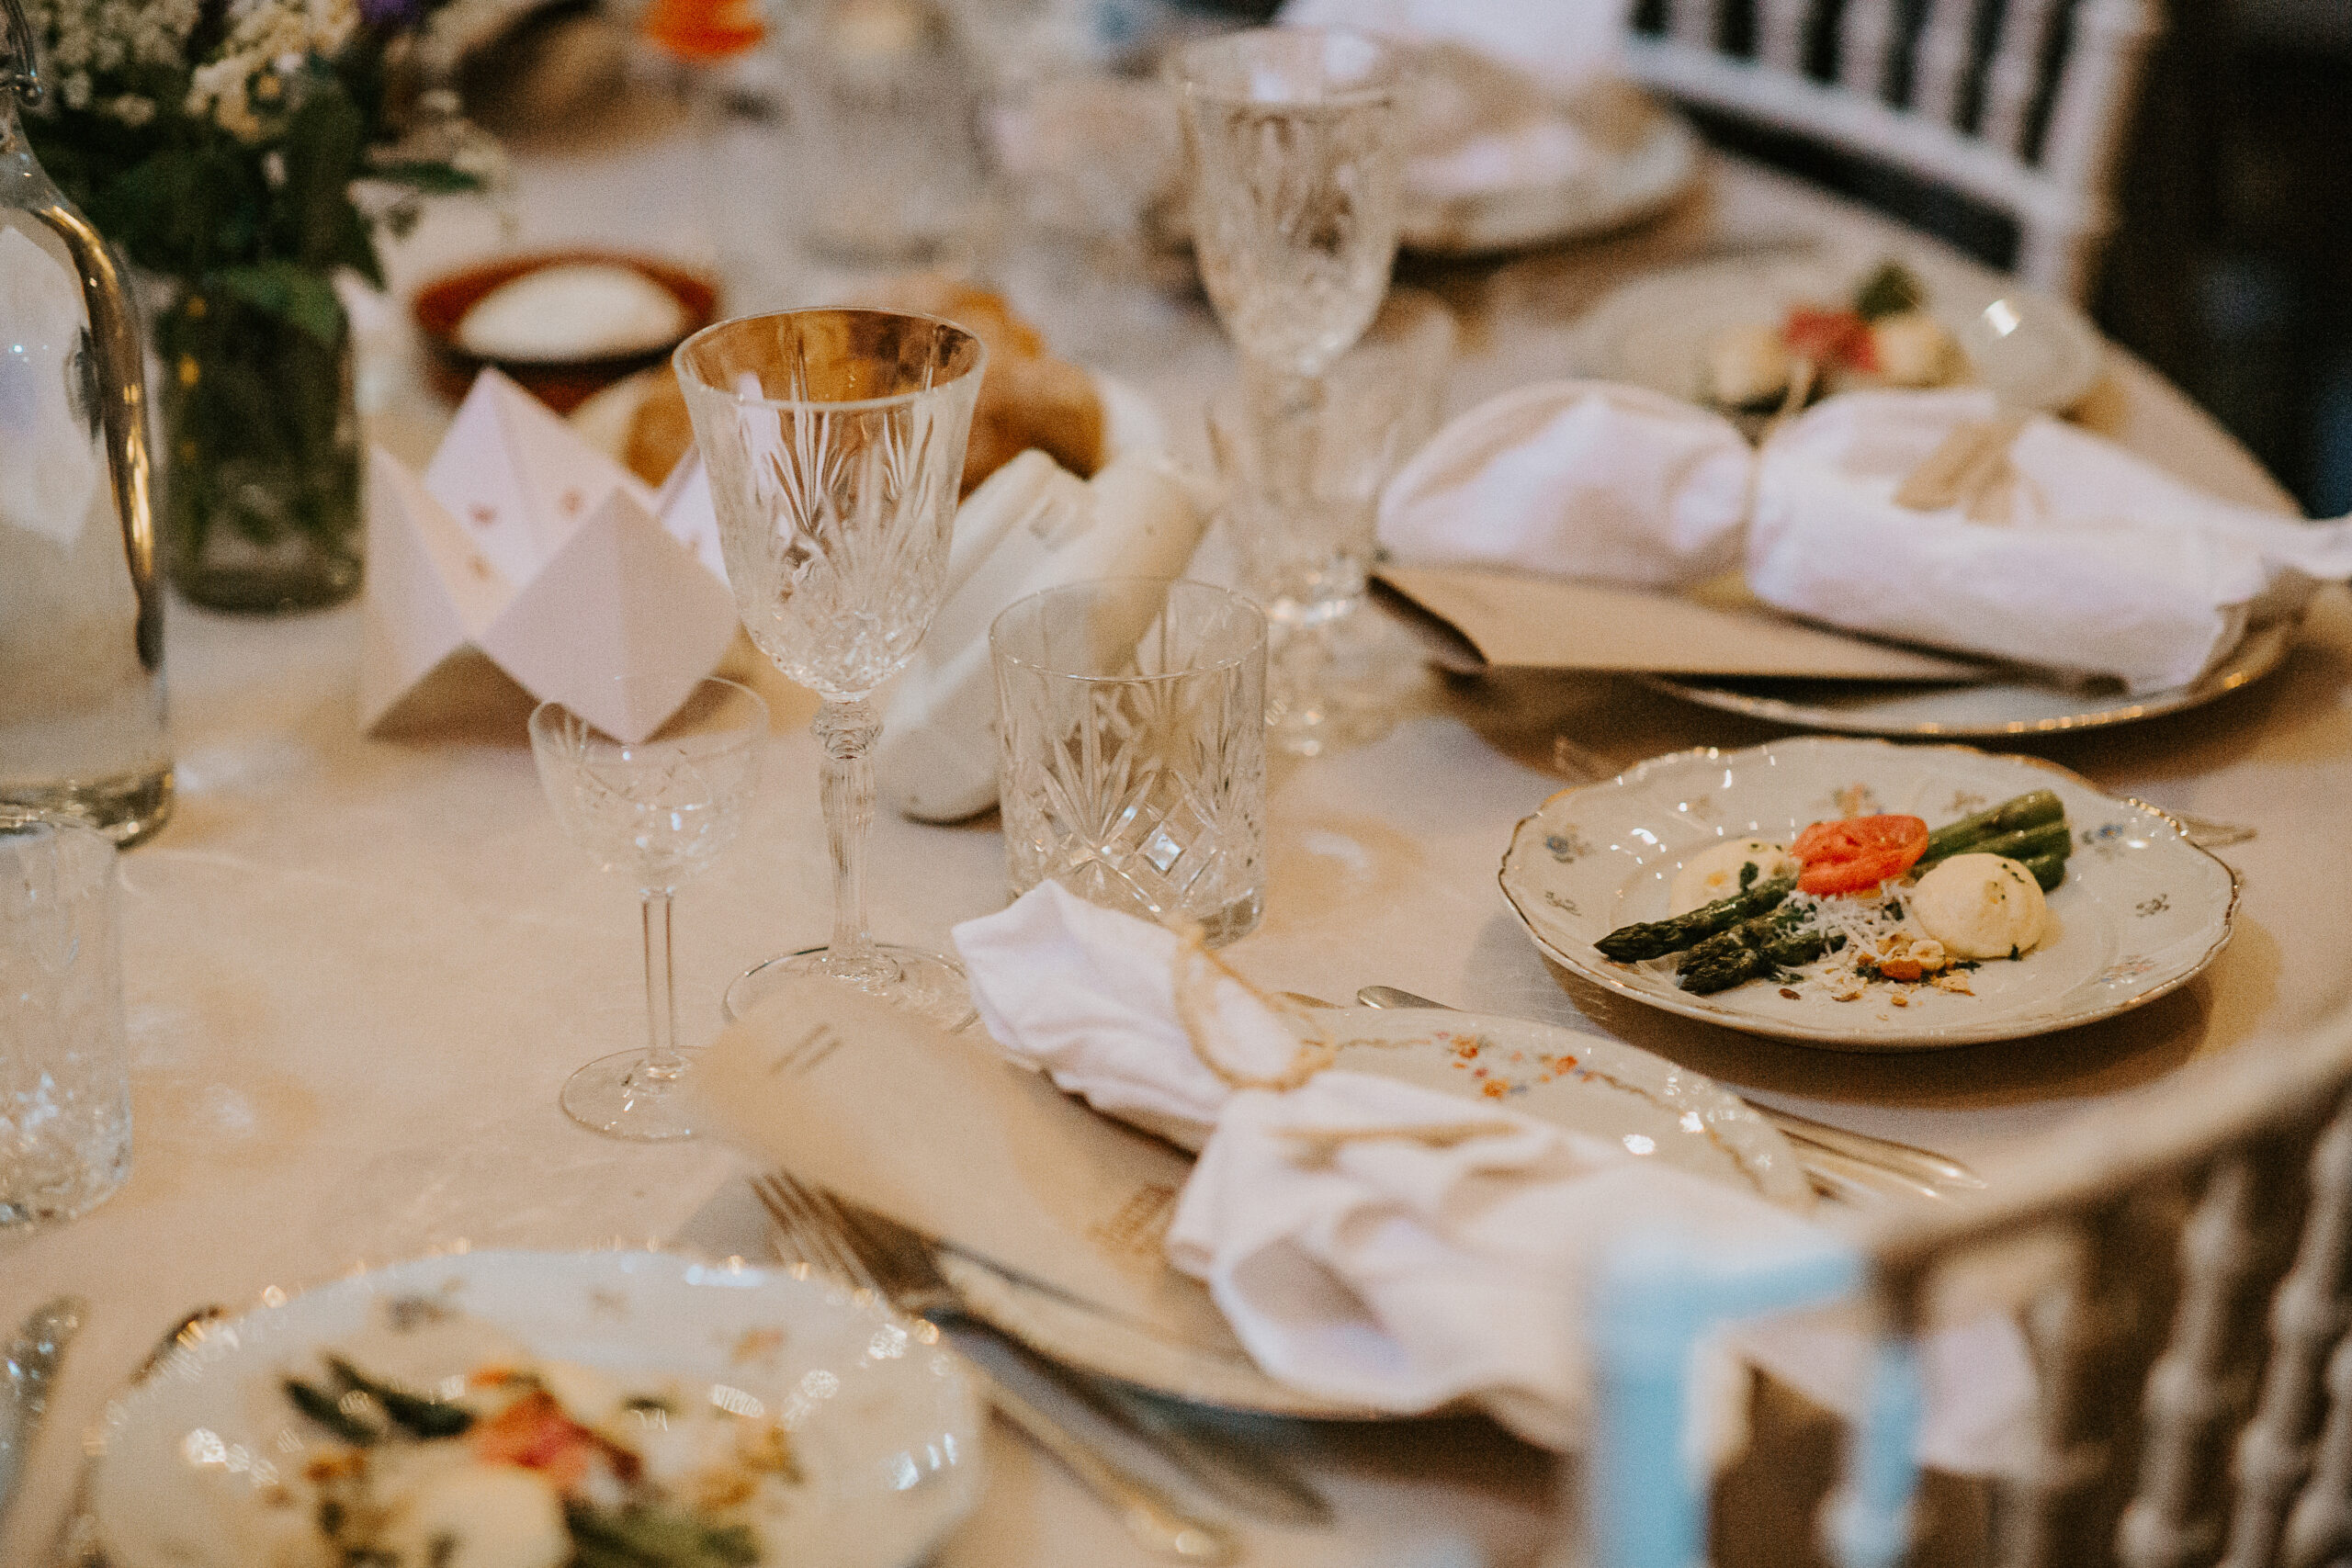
(2020, 105)
(2182, 1265)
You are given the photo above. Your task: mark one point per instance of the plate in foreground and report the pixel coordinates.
(885, 1429)
(1585, 1082)
(2141, 912)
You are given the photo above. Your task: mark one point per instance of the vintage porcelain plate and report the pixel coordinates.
(887, 1434)
(1968, 712)
(2142, 909)
(1585, 1082)
(1611, 191)
(2035, 351)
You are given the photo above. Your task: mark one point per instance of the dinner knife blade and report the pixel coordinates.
(31, 1363)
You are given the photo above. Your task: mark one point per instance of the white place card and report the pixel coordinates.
(525, 545)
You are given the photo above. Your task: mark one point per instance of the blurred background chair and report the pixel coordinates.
(2182, 1265)
(2020, 105)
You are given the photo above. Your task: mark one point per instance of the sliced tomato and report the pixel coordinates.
(1858, 853)
(1829, 337)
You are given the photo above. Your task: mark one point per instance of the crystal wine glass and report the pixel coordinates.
(835, 444)
(656, 810)
(1297, 187)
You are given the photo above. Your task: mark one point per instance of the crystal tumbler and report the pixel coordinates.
(1131, 716)
(64, 1088)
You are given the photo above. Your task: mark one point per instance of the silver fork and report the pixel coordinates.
(819, 1232)
(905, 1265)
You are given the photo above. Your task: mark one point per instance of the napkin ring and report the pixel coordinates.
(1195, 978)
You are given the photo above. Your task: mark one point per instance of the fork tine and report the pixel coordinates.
(807, 1230)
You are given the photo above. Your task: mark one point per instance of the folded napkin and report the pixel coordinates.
(2102, 565)
(1381, 1242)
(1577, 478)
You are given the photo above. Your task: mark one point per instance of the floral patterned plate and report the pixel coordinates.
(2141, 912)
(198, 1461)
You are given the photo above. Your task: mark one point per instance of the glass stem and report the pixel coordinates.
(847, 731)
(663, 1063)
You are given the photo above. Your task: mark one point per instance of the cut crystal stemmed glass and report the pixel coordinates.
(1297, 187)
(835, 444)
(657, 811)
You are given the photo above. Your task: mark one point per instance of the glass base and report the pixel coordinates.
(268, 590)
(613, 1095)
(1337, 680)
(127, 810)
(927, 984)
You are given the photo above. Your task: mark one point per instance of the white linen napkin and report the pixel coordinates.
(1577, 478)
(2105, 566)
(1385, 1244)
(1088, 995)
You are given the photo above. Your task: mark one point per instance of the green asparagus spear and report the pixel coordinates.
(421, 1417)
(1963, 837)
(1656, 939)
(2049, 871)
(1782, 938)
(2027, 843)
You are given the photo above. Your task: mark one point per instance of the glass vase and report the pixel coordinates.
(261, 436)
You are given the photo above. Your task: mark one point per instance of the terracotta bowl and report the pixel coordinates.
(561, 384)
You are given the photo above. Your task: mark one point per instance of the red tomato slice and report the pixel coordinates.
(1829, 337)
(1858, 853)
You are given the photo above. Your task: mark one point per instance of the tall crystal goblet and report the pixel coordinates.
(657, 811)
(835, 444)
(1297, 187)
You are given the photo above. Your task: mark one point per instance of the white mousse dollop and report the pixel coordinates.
(1713, 872)
(1981, 907)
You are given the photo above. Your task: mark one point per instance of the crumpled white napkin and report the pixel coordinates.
(1367, 1263)
(2105, 565)
(1577, 478)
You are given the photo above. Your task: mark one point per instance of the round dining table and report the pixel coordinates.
(357, 969)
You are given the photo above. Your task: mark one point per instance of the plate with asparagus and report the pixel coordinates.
(1867, 897)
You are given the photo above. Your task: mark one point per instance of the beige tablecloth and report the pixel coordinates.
(357, 971)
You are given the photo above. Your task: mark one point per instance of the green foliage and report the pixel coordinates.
(248, 218)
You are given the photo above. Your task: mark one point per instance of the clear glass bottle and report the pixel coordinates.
(82, 715)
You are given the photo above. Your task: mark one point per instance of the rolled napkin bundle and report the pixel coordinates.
(2098, 563)
(1381, 1242)
(1577, 478)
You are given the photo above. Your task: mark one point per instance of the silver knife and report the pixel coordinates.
(31, 1363)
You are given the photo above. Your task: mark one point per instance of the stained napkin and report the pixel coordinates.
(2103, 564)
(1385, 1244)
(1577, 478)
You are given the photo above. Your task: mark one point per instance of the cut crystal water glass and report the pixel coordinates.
(656, 811)
(1132, 770)
(65, 1084)
(835, 443)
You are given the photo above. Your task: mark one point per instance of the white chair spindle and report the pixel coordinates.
(1940, 58)
(2013, 77)
(2199, 1391)
(2308, 1319)
(2319, 1529)
(1780, 33)
(1865, 37)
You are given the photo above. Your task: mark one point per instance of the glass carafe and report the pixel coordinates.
(82, 725)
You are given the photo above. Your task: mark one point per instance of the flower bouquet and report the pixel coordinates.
(240, 151)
